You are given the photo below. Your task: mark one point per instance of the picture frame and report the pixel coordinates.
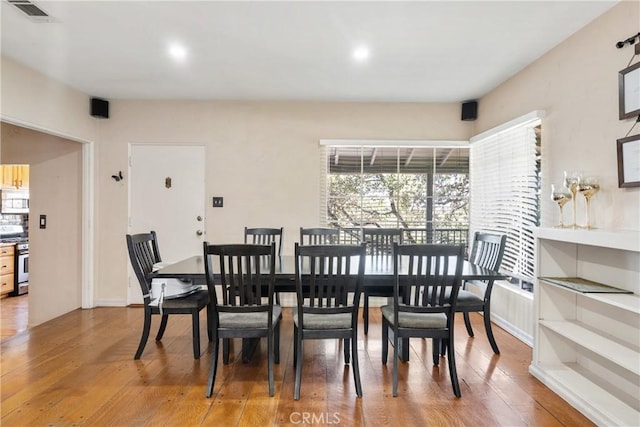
(629, 161)
(629, 91)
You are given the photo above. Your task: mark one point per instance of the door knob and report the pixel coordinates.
(199, 233)
(199, 218)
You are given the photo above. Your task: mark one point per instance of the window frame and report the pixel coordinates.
(327, 144)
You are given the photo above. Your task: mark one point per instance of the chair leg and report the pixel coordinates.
(487, 327)
(270, 357)
(467, 323)
(296, 389)
(346, 350)
(225, 351)
(163, 326)
(295, 345)
(443, 347)
(354, 364)
(436, 350)
(210, 322)
(214, 366)
(195, 316)
(396, 356)
(451, 358)
(365, 313)
(385, 340)
(145, 334)
(276, 343)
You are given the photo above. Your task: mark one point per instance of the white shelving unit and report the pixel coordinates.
(587, 345)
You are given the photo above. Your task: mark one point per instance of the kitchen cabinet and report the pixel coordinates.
(587, 345)
(15, 176)
(7, 261)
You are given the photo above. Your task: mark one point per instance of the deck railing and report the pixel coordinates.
(449, 236)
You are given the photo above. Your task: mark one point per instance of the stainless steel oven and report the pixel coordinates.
(13, 233)
(21, 285)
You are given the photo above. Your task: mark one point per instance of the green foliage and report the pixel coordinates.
(398, 200)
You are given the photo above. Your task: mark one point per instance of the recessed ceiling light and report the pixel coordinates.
(361, 53)
(177, 51)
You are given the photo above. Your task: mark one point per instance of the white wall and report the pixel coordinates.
(31, 98)
(262, 157)
(576, 83)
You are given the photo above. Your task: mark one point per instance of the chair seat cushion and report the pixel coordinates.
(323, 321)
(465, 298)
(468, 298)
(415, 320)
(248, 320)
(194, 300)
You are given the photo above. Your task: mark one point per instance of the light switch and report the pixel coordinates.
(43, 221)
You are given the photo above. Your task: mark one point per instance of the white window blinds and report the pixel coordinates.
(504, 190)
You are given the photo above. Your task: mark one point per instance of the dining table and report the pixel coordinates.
(378, 273)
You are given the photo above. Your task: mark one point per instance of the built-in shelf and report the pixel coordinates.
(594, 399)
(587, 344)
(593, 340)
(626, 240)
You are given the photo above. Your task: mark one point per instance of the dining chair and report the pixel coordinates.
(328, 286)
(487, 251)
(319, 236)
(264, 236)
(380, 245)
(144, 254)
(247, 310)
(424, 302)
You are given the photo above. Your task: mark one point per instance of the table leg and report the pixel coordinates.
(249, 346)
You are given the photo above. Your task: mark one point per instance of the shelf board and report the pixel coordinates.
(626, 240)
(573, 384)
(623, 301)
(619, 354)
(628, 302)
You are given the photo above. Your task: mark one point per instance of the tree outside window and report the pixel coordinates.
(424, 190)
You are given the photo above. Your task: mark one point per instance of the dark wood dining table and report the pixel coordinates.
(378, 273)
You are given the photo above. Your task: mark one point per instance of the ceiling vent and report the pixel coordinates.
(31, 10)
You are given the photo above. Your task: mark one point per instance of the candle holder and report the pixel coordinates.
(588, 187)
(561, 195)
(571, 181)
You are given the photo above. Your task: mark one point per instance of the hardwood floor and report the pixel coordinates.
(13, 315)
(79, 370)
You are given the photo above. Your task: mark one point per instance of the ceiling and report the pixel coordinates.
(420, 51)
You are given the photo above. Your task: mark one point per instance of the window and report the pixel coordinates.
(505, 190)
(421, 189)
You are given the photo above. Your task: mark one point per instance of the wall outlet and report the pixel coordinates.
(217, 202)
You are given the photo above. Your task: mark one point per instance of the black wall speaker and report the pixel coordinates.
(470, 110)
(100, 108)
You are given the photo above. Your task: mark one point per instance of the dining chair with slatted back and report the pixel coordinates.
(380, 245)
(248, 309)
(424, 302)
(319, 236)
(487, 251)
(328, 286)
(144, 255)
(264, 236)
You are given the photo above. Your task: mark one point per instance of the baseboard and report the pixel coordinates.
(511, 329)
(110, 303)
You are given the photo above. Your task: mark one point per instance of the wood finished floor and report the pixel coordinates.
(79, 370)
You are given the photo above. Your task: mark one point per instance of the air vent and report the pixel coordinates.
(30, 9)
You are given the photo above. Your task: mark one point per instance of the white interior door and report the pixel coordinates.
(167, 194)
